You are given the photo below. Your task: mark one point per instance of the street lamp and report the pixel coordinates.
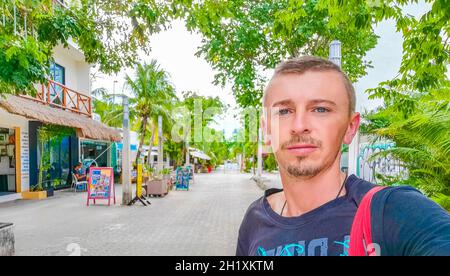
(260, 150)
(126, 154)
(335, 52)
(353, 149)
(160, 145)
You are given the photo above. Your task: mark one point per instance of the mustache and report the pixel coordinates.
(301, 139)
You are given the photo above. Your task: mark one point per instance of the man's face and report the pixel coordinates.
(308, 120)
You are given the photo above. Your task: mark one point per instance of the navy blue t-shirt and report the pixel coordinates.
(404, 222)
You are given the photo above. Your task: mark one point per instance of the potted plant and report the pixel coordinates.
(166, 177)
(165, 173)
(148, 171)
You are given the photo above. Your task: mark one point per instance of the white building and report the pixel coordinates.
(63, 100)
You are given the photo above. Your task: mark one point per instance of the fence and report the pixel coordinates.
(368, 165)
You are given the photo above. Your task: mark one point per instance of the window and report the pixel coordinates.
(57, 74)
(59, 160)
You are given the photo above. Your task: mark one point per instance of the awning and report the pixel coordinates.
(86, 127)
(200, 155)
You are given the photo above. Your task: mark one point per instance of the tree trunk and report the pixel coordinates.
(141, 142)
(254, 164)
(151, 146)
(186, 148)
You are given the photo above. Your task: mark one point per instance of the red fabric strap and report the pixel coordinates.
(361, 235)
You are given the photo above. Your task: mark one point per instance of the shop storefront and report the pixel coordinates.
(7, 161)
(58, 154)
(23, 148)
(14, 156)
(96, 152)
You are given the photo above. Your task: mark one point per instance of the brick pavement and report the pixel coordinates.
(202, 221)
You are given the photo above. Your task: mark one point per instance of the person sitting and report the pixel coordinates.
(78, 173)
(88, 170)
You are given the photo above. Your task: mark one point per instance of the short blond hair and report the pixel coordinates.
(305, 64)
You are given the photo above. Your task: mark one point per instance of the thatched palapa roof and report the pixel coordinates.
(86, 127)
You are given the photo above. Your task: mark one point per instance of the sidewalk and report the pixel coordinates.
(202, 221)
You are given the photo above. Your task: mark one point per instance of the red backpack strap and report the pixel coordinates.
(361, 235)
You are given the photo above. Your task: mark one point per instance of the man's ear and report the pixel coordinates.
(352, 128)
(266, 135)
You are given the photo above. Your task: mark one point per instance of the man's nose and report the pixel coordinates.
(300, 124)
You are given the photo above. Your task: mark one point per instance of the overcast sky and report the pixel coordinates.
(175, 49)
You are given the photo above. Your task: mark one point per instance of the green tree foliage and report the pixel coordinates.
(244, 38)
(203, 112)
(241, 144)
(197, 114)
(154, 96)
(270, 164)
(110, 112)
(422, 138)
(416, 109)
(109, 33)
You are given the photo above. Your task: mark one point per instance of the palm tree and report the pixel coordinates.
(153, 97)
(110, 113)
(422, 139)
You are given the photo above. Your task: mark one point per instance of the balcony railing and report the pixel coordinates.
(57, 95)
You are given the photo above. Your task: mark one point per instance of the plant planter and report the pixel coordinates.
(157, 187)
(34, 195)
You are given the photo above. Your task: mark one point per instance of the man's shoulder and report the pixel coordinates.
(406, 222)
(256, 209)
(402, 198)
(357, 188)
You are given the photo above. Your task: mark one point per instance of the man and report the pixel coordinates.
(309, 112)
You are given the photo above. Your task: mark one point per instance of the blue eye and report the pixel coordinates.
(284, 111)
(321, 110)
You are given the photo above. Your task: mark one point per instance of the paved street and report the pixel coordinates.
(202, 221)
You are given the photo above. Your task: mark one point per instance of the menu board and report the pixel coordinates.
(101, 184)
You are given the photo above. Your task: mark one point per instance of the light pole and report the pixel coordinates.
(260, 150)
(335, 52)
(160, 145)
(353, 149)
(187, 153)
(126, 153)
(126, 169)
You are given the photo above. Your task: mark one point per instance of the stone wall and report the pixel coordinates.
(6, 239)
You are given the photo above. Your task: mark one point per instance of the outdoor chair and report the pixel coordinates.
(76, 184)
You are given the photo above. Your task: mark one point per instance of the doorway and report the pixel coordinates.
(7, 161)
